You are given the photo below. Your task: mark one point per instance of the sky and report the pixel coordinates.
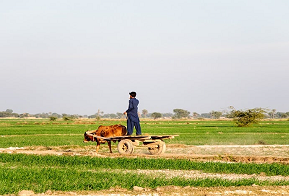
(81, 56)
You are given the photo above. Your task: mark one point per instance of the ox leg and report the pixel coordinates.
(109, 146)
(97, 146)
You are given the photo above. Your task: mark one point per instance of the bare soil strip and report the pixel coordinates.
(173, 190)
(224, 153)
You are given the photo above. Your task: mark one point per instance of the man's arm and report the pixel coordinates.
(130, 106)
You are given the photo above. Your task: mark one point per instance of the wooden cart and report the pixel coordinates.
(126, 144)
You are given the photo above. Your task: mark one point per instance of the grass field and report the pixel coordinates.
(42, 173)
(67, 173)
(43, 132)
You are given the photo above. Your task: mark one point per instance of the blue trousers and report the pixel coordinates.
(130, 125)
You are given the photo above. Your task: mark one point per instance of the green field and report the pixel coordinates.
(43, 132)
(66, 173)
(76, 173)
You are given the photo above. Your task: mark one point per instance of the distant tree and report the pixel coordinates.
(66, 118)
(247, 117)
(92, 116)
(9, 111)
(74, 116)
(119, 115)
(272, 113)
(144, 113)
(56, 115)
(112, 116)
(97, 117)
(52, 118)
(156, 115)
(180, 113)
(206, 115)
(281, 115)
(106, 116)
(168, 115)
(284, 115)
(99, 114)
(216, 114)
(24, 115)
(42, 115)
(195, 115)
(4, 114)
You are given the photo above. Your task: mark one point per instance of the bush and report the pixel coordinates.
(66, 118)
(156, 115)
(247, 117)
(180, 113)
(52, 118)
(216, 114)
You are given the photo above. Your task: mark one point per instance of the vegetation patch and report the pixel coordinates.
(72, 174)
(84, 173)
(81, 162)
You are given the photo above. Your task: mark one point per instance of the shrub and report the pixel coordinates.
(216, 114)
(156, 115)
(247, 117)
(52, 118)
(66, 118)
(180, 113)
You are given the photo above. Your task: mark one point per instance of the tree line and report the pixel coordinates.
(177, 114)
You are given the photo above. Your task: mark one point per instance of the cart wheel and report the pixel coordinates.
(160, 148)
(125, 147)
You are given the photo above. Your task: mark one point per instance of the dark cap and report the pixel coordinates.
(133, 94)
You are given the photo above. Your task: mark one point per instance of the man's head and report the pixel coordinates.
(132, 94)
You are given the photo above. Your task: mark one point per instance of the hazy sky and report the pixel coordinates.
(78, 56)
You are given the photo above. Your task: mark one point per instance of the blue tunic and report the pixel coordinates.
(132, 117)
(132, 110)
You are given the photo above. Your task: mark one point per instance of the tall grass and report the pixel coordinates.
(42, 179)
(141, 163)
(42, 173)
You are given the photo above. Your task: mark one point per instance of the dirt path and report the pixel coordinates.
(173, 190)
(224, 153)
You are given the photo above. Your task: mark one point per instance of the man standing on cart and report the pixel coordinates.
(132, 115)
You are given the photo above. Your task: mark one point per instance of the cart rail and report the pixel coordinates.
(139, 137)
(126, 144)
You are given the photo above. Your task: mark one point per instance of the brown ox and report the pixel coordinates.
(104, 131)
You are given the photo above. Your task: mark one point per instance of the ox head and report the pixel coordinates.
(88, 137)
